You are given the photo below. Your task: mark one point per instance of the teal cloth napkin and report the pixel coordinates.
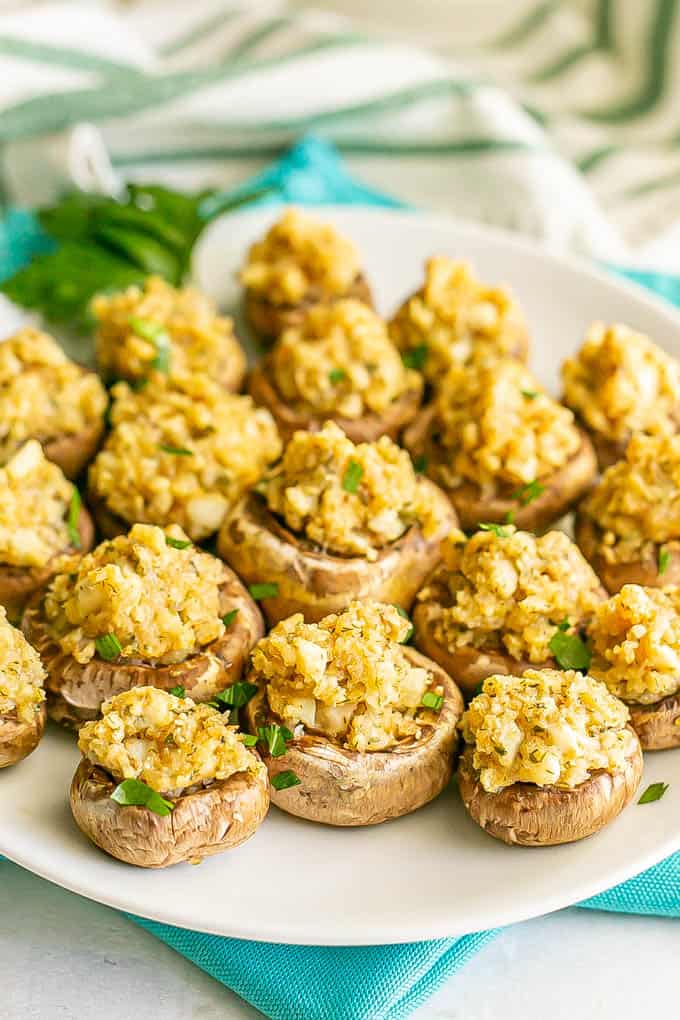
(369, 982)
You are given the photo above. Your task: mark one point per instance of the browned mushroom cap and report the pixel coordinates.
(76, 691)
(73, 452)
(530, 815)
(310, 581)
(657, 725)
(269, 320)
(17, 584)
(215, 818)
(339, 786)
(644, 571)
(366, 429)
(19, 739)
(560, 491)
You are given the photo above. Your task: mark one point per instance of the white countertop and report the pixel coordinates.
(65, 958)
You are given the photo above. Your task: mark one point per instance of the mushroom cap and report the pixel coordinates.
(73, 452)
(260, 548)
(76, 691)
(528, 815)
(19, 739)
(588, 536)
(342, 787)
(17, 584)
(366, 429)
(268, 319)
(658, 724)
(215, 818)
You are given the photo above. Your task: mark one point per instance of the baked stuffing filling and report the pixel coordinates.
(43, 394)
(21, 674)
(298, 259)
(182, 450)
(171, 744)
(341, 361)
(349, 499)
(509, 591)
(637, 501)
(454, 316)
(545, 727)
(158, 327)
(635, 637)
(620, 382)
(35, 498)
(496, 428)
(149, 596)
(347, 677)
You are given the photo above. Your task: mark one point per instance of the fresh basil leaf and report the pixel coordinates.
(177, 543)
(570, 651)
(237, 695)
(411, 631)
(135, 793)
(420, 464)
(73, 519)
(337, 375)
(284, 780)
(264, 590)
(353, 475)
(108, 647)
(433, 701)
(664, 561)
(275, 738)
(415, 357)
(229, 617)
(178, 691)
(528, 493)
(653, 792)
(248, 740)
(499, 530)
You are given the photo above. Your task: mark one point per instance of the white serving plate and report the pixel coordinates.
(433, 873)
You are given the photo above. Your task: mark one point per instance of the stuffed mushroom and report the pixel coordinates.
(157, 328)
(635, 641)
(629, 526)
(501, 448)
(455, 317)
(22, 695)
(338, 364)
(354, 727)
(164, 780)
(181, 451)
(147, 608)
(46, 396)
(503, 601)
(336, 521)
(300, 262)
(620, 383)
(549, 757)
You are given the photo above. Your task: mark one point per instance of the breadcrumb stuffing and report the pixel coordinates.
(21, 674)
(34, 503)
(545, 727)
(169, 743)
(300, 258)
(346, 677)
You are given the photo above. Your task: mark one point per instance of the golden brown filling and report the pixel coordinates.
(496, 428)
(168, 743)
(21, 674)
(34, 504)
(161, 328)
(637, 502)
(620, 382)
(137, 598)
(454, 316)
(182, 450)
(300, 258)
(545, 727)
(350, 499)
(341, 361)
(43, 394)
(635, 636)
(346, 677)
(510, 591)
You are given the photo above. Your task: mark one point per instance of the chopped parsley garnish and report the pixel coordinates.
(569, 650)
(510, 517)
(178, 691)
(284, 780)
(415, 358)
(177, 543)
(275, 738)
(411, 631)
(236, 696)
(664, 560)
(156, 334)
(529, 492)
(264, 590)
(135, 793)
(178, 451)
(337, 375)
(248, 740)
(352, 476)
(73, 518)
(499, 530)
(108, 647)
(229, 617)
(479, 689)
(420, 464)
(530, 394)
(433, 701)
(653, 792)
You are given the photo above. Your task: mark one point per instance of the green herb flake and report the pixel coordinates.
(275, 738)
(264, 590)
(156, 334)
(653, 792)
(135, 793)
(337, 375)
(499, 530)
(177, 543)
(108, 647)
(529, 492)
(73, 518)
(178, 451)
(569, 650)
(411, 631)
(420, 464)
(352, 476)
(664, 560)
(237, 695)
(530, 394)
(229, 617)
(416, 357)
(433, 701)
(178, 691)
(510, 517)
(284, 780)
(248, 740)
